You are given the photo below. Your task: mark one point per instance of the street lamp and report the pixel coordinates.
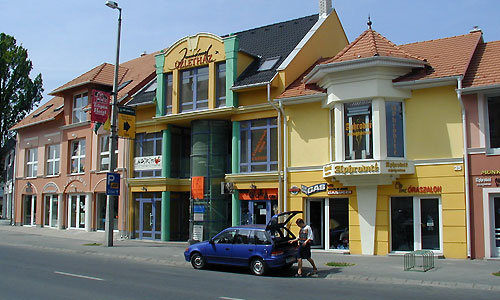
(113, 136)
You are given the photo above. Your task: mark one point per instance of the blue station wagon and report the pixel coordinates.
(259, 247)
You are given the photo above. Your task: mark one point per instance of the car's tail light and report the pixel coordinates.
(277, 252)
(186, 250)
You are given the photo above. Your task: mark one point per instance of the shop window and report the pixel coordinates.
(53, 158)
(494, 122)
(80, 101)
(180, 153)
(169, 79)
(31, 162)
(339, 223)
(394, 129)
(259, 144)
(147, 151)
(194, 89)
(78, 156)
(220, 84)
(358, 130)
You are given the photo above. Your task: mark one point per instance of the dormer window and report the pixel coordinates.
(80, 101)
(268, 64)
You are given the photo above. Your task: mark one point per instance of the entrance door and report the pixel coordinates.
(496, 229)
(316, 219)
(149, 216)
(76, 211)
(415, 224)
(50, 210)
(29, 210)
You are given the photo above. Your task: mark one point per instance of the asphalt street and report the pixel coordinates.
(38, 273)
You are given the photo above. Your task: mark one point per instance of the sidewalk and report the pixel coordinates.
(470, 274)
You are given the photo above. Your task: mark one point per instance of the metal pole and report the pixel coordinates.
(114, 140)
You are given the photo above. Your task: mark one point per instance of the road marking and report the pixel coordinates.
(79, 276)
(228, 298)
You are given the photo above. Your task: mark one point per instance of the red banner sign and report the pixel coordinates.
(258, 194)
(198, 187)
(100, 106)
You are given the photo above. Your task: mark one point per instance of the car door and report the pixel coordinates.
(243, 247)
(263, 244)
(219, 250)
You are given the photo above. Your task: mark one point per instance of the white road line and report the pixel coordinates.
(228, 298)
(79, 276)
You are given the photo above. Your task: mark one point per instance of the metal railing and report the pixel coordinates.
(412, 260)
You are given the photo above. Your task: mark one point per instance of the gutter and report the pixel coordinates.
(480, 88)
(432, 81)
(466, 163)
(260, 84)
(34, 123)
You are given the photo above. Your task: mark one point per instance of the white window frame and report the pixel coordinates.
(51, 198)
(489, 149)
(53, 164)
(31, 162)
(78, 157)
(78, 114)
(104, 153)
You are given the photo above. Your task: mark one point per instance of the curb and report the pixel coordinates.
(389, 280)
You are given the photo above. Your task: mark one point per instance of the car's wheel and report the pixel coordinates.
(258, 266)
(198, 261)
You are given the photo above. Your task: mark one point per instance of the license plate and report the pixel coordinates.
(290, 259)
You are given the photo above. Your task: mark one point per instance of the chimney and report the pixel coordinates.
(476, 29)
(325, 8)
(143, 53)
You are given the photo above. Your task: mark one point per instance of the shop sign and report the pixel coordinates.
(363, 168)
(147, 163)
(294, 190)
(338, 191)
(99, 111)
(490, 172)
(258, 194)
(436, 189)
(483, 181)
(309, 190)
(198, 58)
(197, 187)
(198, 232)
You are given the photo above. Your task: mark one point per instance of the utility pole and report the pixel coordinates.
(113, 136)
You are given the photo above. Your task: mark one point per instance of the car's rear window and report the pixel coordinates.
(261, 238)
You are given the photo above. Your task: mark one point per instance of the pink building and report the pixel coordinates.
(481, 97)
(62, 162)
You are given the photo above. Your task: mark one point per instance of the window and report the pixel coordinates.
(394, 129)
(104, 157)
(53, 157)
(80, 101)
(220, 85)
(358, 130)
(31, 162)
(268, 64)
(226, 237)
(194, 89)
(78, 156)
(181, 153)
(169, 93)
(494, 121)
(147, 162)
(261, 238)
(242, 237)
(259, 144)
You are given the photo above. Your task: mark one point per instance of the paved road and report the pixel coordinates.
(37, 273)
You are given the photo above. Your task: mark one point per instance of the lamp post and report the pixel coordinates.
(113, 136)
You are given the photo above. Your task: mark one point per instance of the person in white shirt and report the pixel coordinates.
(305, 239)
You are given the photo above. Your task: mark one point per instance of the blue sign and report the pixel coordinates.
(199, 208)
(112, 184)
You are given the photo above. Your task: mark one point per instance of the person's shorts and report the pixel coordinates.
(305, 251)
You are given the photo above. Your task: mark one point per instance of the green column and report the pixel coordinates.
(166, 143)
(161, 85)
(235, 168)
(231, 46)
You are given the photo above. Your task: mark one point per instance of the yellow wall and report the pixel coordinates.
(433, 124)
(244, 60)
(145, 113)
(308, 128)
(327, 41)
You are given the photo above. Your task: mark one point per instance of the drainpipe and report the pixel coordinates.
(281, 208)
(285, 157)
(466, 163)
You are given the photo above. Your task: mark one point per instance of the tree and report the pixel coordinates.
(18, 92)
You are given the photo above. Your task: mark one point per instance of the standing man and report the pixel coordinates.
(305, 239)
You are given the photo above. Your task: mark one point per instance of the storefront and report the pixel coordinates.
(258, 205)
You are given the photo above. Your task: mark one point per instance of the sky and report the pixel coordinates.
(66, 38)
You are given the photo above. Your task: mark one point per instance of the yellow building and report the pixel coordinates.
(207, 152)
(374, 147)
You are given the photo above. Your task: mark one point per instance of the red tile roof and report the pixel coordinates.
(299, 88)
(369, 44)
(47, 112)
(484, 68)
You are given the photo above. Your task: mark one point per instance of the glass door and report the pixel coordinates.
(415, 224)
(76, 211)
(29, 210)
(148, 207)
(316, 219)
(496, 229)
(50, 210)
